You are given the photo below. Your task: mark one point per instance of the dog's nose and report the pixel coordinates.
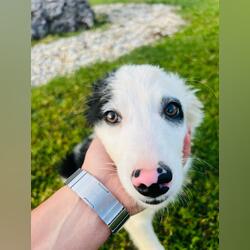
(152, 182)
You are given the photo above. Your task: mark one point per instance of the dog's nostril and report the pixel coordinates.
(165, 173)
(137, 173)
(159, 170)
(165, 178)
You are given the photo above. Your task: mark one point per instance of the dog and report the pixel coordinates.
(146, 119)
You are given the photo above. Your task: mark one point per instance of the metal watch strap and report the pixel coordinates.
(97, 196)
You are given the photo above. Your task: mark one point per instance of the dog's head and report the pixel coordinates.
(145, 118)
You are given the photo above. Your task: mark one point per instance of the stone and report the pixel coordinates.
(59, 16)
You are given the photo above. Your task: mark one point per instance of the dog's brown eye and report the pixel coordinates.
(172, 109)
(112, 117)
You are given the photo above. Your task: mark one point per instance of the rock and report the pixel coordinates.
(59, 16)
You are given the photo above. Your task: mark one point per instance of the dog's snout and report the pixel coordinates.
(152, 182)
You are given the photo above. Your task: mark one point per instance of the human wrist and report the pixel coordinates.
(83, 219)
(65, 216)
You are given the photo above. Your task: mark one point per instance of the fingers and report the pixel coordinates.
(96, 154)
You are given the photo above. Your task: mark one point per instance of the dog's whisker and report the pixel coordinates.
(110, 163)
(200, 166)
(112, 174)
(203, 84)
(204, 162)
(108, 169)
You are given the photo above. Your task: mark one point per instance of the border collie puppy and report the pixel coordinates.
(145, 118)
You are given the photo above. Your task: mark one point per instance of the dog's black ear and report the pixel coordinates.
(101, 94)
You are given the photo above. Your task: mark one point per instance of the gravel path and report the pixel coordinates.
(131, 26)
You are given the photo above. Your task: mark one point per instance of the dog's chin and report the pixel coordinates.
(154, 202)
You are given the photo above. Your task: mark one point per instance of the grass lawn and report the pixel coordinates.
(58, 124)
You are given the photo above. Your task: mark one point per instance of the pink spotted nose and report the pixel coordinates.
(152, 182)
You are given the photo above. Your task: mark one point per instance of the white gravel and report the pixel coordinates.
(131, 26)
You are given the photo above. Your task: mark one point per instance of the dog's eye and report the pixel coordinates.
(172, 109)
(112, 117)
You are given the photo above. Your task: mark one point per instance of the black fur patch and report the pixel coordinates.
(100, 96)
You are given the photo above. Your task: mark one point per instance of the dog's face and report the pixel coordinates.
(145, 118)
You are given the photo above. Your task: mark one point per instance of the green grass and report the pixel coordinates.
(58, 124)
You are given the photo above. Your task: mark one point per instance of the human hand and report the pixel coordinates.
(98, 163)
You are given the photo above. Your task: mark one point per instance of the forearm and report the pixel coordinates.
(64, 221)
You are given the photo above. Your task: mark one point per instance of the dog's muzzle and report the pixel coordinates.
(152, 182)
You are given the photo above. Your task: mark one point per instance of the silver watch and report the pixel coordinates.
(97, 196)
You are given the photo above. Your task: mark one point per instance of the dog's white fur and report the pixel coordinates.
(144, 137)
